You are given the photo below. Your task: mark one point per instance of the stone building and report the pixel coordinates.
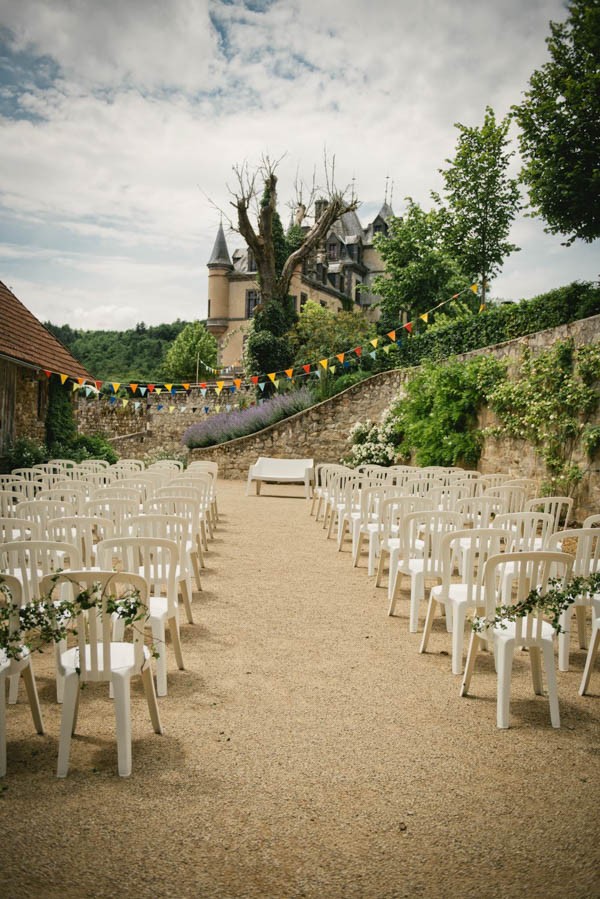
(338, 276)
(27, 352)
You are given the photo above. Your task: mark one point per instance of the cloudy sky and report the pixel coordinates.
(121, 122)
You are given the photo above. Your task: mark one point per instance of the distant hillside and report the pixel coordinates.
(134, 355)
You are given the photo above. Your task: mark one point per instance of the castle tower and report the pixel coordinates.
(219, 266)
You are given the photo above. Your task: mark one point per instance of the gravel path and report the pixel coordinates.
(309, 751)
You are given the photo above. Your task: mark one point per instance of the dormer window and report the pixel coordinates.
(333, 252)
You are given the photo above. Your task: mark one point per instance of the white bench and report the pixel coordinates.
(281, 471)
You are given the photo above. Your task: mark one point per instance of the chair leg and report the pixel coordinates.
(505, 659)
(431, 610)
(581, 629)
(417, 593)
(373, 553)
(158, 638)
(196, 570)
(535, 657)
(122, 693)
(457, 623)
(564, 639)
(67, 722)
(548, 650)
(474, 645)
(380, 566)
(591, 657)
(185, 596)
(13, 688)
(150, 692)
(356, 549)
(32, 695)
(395, 591)
(176, 640)
(393, 571)
(2, 725)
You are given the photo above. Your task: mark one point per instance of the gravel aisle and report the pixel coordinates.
(309, 751)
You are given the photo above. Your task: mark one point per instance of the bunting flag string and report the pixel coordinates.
(318, 369)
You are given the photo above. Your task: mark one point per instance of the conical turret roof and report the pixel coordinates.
(220, 253)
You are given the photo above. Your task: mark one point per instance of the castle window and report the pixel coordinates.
(303, 299)
(333, 251)
(252, 301)
(208, 309)
(251, 261)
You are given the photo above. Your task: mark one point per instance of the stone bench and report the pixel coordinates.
(281, 471)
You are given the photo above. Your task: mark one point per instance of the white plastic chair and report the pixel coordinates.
(99, 658)
(84, 531)
(560, 507)
(532, 632)
(593, 648)
(420, 559)
(116, 510)
(125, 467)
(155, 559)
(458, 598)
(9, 499)
(174, 504)
(393, 511)
(512, 495)
(11, 593)
(586, 545)
(12, 529)
(76, 495)
(41, 511)
(369, 523)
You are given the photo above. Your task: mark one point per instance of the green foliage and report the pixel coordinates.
(437, 420)
(549, 405)
(497, 324)
(372, 444)
(560, 127)
(24, 453)
(133, 355)
(269, 346)
(419, 271)
(482, 199)
(294, 238)
(319, 332)
(60, 420)
(194, 351)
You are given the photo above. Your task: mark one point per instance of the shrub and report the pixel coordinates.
(230, 425)
(25, 452)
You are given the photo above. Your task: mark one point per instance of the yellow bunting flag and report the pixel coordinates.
(236, 381)
(324, 363)
(63, 378)
(391, 335)
(220, 384)
(133, 387)
(332, 369)
(171, 408)
(186, 386)
(158, 390)
(75, 386)
(340, 356)
(271, 375)
(289, 372)
(115, 386)
(425, 317)
(474, 288)
(482, 307)
(374, 342)
(124, 403)
(276, 383)
(168, 387)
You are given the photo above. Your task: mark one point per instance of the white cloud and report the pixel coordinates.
(152, 103)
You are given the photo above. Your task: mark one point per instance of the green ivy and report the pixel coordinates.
(549, 404)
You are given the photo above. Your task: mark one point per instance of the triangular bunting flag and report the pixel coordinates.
(218, 389)
(482, 307)
(63, 378)
(169, 387)
(47, 373)
(203, 391)
(391, 335)
(217, 408)
(112, 400)
(340, 356)
(150, 388)
(133, 387)
(228, 407)
(324, 363)
(137, 405)
(289, 372)
(306, 368)
(358, 350)
(332, 369)
(115, 386)
(254, 379)
(346, 364)
(186, 386)
(271, 375)
(98, 384)
(158, 390)
(80, 381)
(143, 391)
(203, 384)
(220, 384)
(473, 288)
(374, 342)
(373, 354)
(173, 391)
(262, 385)
(408, 327)
(88, 391)
(237, 382)
(424, 317)
(276, 383)
(75, 386)
(172, 409)
(387, 349)
(207, 409)
(124, 403)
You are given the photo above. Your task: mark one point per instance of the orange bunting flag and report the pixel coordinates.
(48, 373)
(186, 386)
(474, 288)
(289, 372)
(63, 378)
(271, 375)
(340, 356)
(425, 317)
(133, 387)
(236, 381)
(115, 385)
(374, 342)
(323, 362)
(408, 327)
(80, 381)
(254, 379)
(391, 335)
(306, 368)
(482, 307)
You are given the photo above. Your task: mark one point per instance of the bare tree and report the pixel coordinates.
(274, 284)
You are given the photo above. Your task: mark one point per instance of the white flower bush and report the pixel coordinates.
(372, 443)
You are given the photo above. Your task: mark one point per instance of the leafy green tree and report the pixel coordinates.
(560, 127)
(193, 353)
(482, 200)
(321, 332)
(419, 271)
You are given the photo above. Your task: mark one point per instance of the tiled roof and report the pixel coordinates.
(25, 339)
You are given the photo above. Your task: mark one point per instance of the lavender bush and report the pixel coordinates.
(229, 425)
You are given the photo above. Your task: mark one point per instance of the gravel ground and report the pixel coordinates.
(309, 751)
